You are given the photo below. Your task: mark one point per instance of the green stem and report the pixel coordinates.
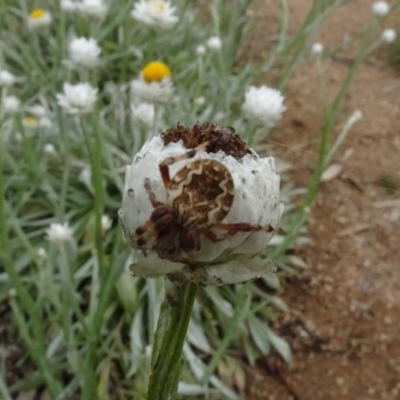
(169, 339)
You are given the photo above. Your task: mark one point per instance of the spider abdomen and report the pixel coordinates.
(202, 193)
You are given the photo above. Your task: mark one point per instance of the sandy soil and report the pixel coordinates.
(344, 324)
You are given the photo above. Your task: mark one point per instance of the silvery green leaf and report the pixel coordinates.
(281, 345)
(197, 337)
(279, 303)
(259, 334)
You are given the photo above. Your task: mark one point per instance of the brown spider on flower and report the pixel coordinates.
(199, 197)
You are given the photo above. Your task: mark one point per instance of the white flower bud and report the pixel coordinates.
(380, 8)
(389, 35)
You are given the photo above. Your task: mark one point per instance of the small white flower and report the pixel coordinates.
(45, 123)
(155, 13)
(214, 43)
(200, 101)
(201, 50)
(255, 201)
(7, 79)
(30, 122)
(59, 233)
(10, 104)
(39, 18)
(42, 253)
(69, 5)
(317, 48)
(77, 99)
(106, 223)
(49, 149)
(144, 114)
(84, 53)
(380, 8)
(152, 92)
(93, 8)
(263, 105)
(389, 35)
(37, 110)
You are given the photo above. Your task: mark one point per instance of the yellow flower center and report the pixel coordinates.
(30, 121)
(38, 13)
(155, 71)
(160, 7)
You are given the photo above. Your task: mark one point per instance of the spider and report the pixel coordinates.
(200, 195)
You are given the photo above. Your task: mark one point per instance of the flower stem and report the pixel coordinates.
(169, 339)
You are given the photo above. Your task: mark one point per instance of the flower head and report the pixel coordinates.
(154, 84)
(30, 122)
(214, 210)
(380, 8)
(263, 105)
(77, 99)
(317, 48)
(214, 43)
(7, 79)
(39, 18)
(155, 13)
(59, 233)
(93, 8)
(389, 35)
(144, 114)
(69, 5)
(155, 71)
(84, 53)
(106, 223)
(10, 104)
(49, 149)
(201, 50)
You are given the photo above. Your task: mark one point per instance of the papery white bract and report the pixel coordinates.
(144, 114)
(59, 233)
(380, 8)
(77, 99)
(7, 79)
(263, 105)
(84, 53)
(155, 13)
(10, 104)
(106, 223)
(152, 92)
(93, 8)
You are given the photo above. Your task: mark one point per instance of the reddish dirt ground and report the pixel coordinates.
(345, 308)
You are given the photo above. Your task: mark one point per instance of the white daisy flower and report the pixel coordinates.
(263, 105)
(389, 35)
(155, 13)
(215, 209)
(30, 122)
(154, 84)
(59, 233)
(39, 18)
(69, 5)
(143, 114)
(10, 104)
(77, 99)
(37, 110)
(7, 79)
(96, 9)
(214, 43)
(380, 8)
(84, 53)
(317, 48)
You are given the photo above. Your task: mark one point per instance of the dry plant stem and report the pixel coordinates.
(169, 339)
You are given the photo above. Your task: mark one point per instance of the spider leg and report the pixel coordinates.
(164, 170)
(212, 237)
(244, 227)
(151, 194)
